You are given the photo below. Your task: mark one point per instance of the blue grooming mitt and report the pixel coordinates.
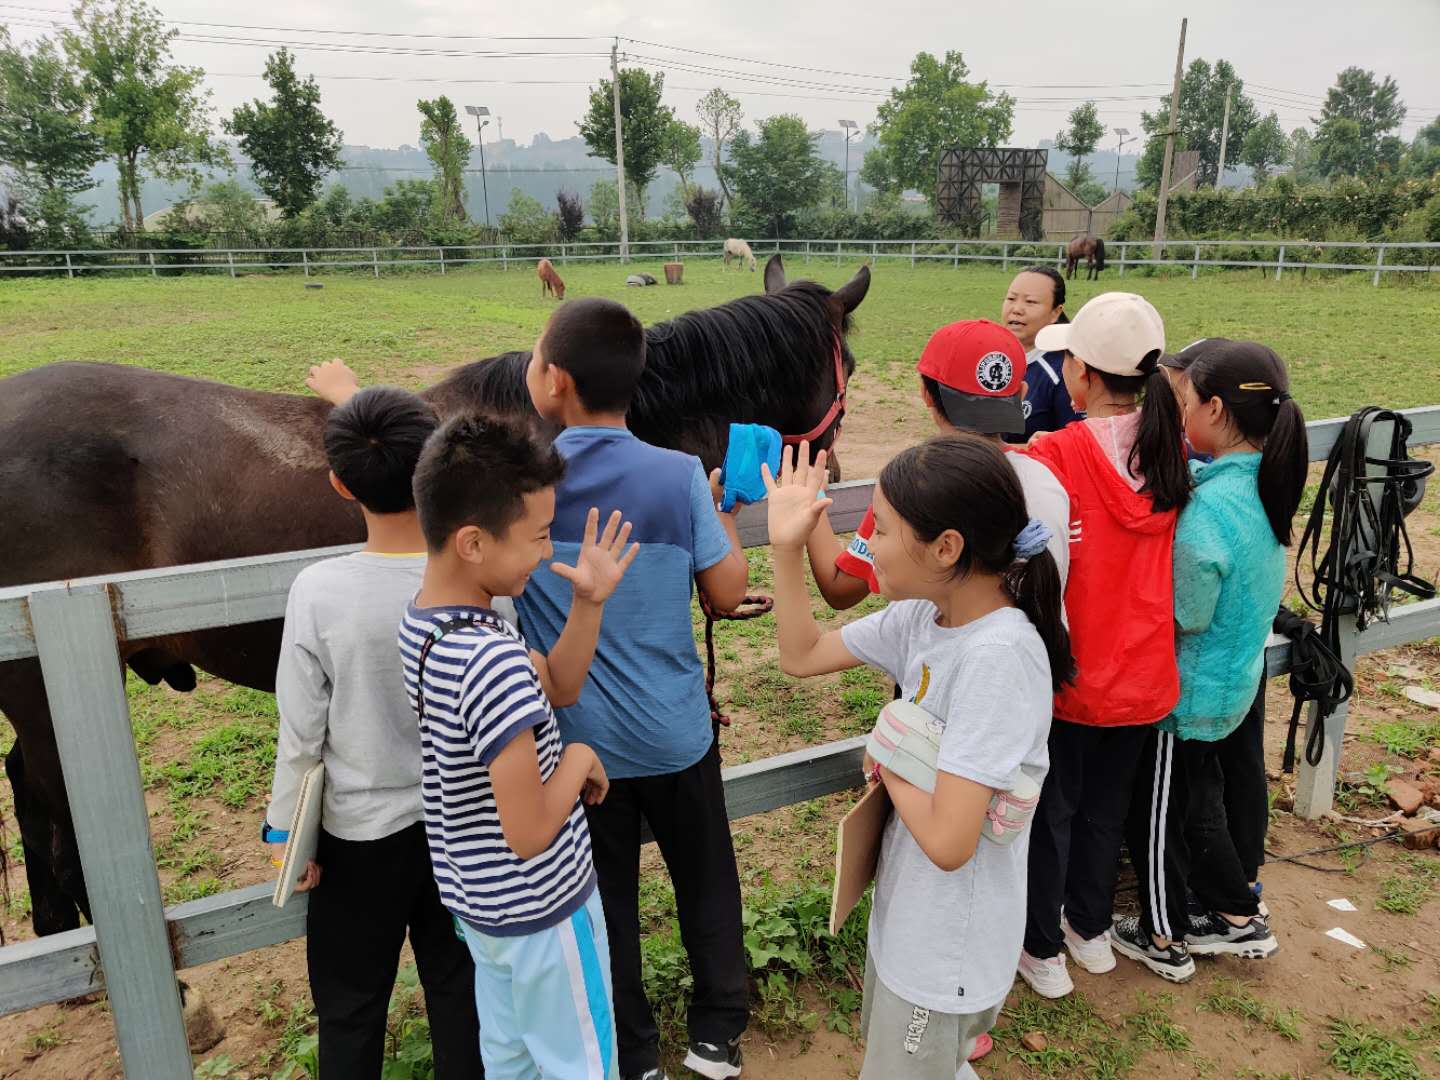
(751, 445)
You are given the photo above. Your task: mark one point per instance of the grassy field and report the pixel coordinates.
(1348, 344)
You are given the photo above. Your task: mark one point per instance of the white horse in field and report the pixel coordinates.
(738, 249)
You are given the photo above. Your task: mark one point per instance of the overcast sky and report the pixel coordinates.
(1287, 51)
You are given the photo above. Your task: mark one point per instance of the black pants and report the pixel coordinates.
(370, 892)
(1247, 793)
(1077, 830)
(1180, 836)
(686, 813)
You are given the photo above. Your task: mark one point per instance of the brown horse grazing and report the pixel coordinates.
(107, 469)
(549, 280)
(1090, 248)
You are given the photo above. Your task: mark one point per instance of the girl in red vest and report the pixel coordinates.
(1124, 469)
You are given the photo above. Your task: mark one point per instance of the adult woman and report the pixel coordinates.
(1036, 299)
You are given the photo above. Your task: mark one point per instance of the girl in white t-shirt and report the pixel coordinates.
(973, 635)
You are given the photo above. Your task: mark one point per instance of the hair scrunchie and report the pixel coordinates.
(1032, 539)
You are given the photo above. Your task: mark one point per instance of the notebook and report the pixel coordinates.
(857, 852)
(304, 834)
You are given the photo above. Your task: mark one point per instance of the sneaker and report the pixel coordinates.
(983, 1045)
(1258, 889)
(1172, 963)
(715, 1062)
(1215, 935)
(649, 1074)
(1092, 954)
(1048, 978)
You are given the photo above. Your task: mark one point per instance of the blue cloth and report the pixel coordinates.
(751, 445)
(1047, 404)
(546, 999)
(1229, 576)
(643, 709)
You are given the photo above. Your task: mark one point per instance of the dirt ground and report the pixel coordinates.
(1318, 977)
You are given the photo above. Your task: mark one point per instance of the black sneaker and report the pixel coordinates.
(1172, 963)
(714, 1062)
(649, 1074)
(1215, 935)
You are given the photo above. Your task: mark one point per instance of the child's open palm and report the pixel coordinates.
(794, 499)
(601, 563)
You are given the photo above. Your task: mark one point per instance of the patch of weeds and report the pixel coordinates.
(784, 702)
(237, 758)
(1393, 959)
(1360, 1049)
(1079, 1038)
(1231, 998)
(1407, 738)
(863, 693)
(843, 1003)
(216, 1068)
(1406, 894)
(19, 906)
(1153, 1026)
(186, 889)
(780, 1011)
(47, 1038)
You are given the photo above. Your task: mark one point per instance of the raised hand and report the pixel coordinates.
(601, 563)
(795, 505)
(333, 381)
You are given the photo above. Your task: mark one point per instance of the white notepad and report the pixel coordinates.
(304, 834)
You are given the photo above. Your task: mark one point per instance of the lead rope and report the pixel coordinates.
(752, 607)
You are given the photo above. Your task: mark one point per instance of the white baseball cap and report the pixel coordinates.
(1117, 332)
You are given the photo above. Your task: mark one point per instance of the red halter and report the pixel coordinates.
(837, 407)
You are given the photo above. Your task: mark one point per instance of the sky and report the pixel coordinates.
(826, 62)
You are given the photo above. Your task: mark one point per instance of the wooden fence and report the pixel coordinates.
(136, 945)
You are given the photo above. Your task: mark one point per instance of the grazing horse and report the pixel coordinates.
(738, 249)
(1090, 248)
(108, 469)
(549, 280)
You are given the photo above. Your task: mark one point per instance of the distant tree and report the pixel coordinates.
(570, 214)
(46, 140)
(704, 209)
(448, 149)
(150, 114)
(14, 230)
(938, 108)
(646, 122)
(1090, 191)
(1202, 118)
(226, 207)
(1422, 160)
(1303, 156)
(605, 207)
(875, 173)
(720, 116)
(681, 151)
(1265, 147)
(1079, 141)
(780, 172)
(405, 209)
(525, 221)
(1354, 130)
(290, 142)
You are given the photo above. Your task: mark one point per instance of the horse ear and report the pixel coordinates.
(774, 274)
(847, 298)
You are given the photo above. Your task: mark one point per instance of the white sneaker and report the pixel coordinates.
(1048, 978)
(1093, 954)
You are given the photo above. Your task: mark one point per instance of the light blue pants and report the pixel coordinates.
(544, 1000)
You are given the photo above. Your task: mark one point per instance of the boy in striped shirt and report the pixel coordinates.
(508, 840)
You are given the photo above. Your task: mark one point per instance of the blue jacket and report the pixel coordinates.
(1229, 576)
(1047, 402)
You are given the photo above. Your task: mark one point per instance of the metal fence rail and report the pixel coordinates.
(135, 946)
(1376, 259)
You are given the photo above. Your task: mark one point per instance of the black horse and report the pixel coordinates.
(108, 469)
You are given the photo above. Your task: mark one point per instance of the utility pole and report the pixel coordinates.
(619, 151)
(500, 128)
(1170, 144)
(1224, 137)
(482, 121)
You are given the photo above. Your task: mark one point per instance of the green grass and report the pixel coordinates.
(1343, 338)
(1231, 998)
(1406, 893)
(1359, 1049)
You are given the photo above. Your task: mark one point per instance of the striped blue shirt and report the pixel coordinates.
(479, 691)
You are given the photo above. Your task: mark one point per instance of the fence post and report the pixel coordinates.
(1004, 256)
(442, 259)
(1195, 266)
(156, 273)
(956, 264)
(874, 252)
(1122, 258)
(564, 258)
(69, 270)
(230, 257)
(75, 640)
(1280, 263)
(504, 257)
(1379, 265)
(837, 252)
(677, 251)
(807, 251)
(375, 261)
(305, 260)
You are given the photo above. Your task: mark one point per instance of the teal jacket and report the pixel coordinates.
(1229, 576)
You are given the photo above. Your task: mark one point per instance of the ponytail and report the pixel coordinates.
(1159, 451)
(1254, 385)
(1034, 585)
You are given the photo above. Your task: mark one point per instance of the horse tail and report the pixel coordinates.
(1099, 254)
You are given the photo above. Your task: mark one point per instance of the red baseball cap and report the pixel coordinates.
(980, 367)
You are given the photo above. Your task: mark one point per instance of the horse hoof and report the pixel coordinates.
(203, 1028)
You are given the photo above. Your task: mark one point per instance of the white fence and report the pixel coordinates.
(1279, 256)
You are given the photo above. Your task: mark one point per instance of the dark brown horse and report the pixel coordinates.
(107, 469)
(1091, 249)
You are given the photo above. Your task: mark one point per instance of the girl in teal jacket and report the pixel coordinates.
(1229, 565)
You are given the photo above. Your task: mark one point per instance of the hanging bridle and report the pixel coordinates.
(834, 414)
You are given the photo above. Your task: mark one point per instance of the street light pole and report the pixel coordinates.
(850, 128)
(1120, 134)
(479, 111)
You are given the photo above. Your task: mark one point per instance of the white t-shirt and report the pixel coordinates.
(950, 940)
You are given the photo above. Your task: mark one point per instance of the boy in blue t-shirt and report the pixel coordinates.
(508, 840)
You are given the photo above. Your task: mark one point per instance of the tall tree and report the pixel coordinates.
(151, 115)
(1079, 141)
(720, 115)
(1354, 132)
(448, 149)
(569, 214)
(1202, 118)
(645, 121)
(46, 138)
(1423, 158)
(937, 109)
(779, 173)
(1265, 147)
(681, 152)
(1302, 156)
(290, 142)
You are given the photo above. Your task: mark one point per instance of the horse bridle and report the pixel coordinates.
(834, 414)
